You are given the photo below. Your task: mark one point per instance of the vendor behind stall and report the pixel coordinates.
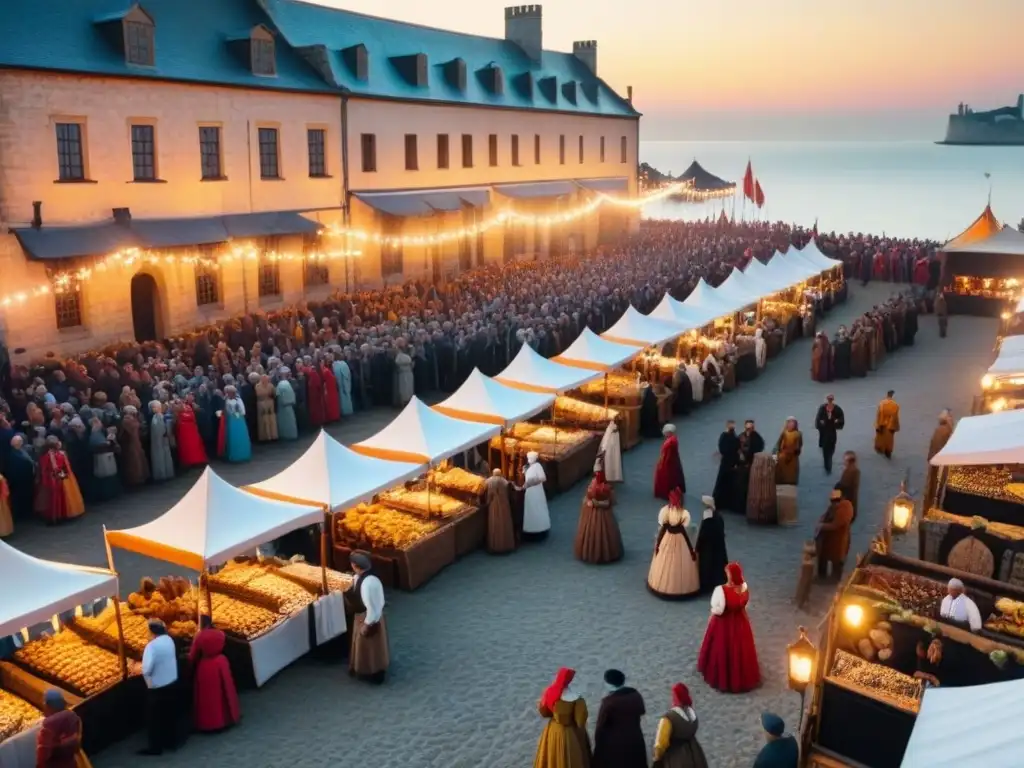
(958, 608)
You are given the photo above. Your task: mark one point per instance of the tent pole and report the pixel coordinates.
(324, 528)
(428, 490)
(122, 659)
(504, 456)
(204, 581)
(606, 389)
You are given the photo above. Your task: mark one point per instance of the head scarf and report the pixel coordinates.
(675, 498)
(735, 573)
(599, 477)
(532, 457)
(681, 696)
(554, 691)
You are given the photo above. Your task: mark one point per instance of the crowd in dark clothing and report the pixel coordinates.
(135, 413)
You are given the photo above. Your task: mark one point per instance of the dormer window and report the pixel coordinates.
(357, 61)
(261, 52)
(412, 68)
(492, 79)
(455, 74)
(138, 30)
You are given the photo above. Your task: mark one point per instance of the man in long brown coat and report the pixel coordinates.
(940, 437)
(834, 536)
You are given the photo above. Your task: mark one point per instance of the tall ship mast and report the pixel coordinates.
(996, 127)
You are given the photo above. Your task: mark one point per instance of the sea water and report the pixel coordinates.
(906, 189)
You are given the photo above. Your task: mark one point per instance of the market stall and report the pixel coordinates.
(616, 389)
(212, 524)
(983, 277)
(885, 643)
(979, 725)
(416, 531)
(1002, 386)
(832, 281)
(98, 683)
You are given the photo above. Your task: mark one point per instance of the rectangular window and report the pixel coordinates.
(316, 141)
(270, 268)
(262, 57)
(412, 162)
(207, 284)
(602, 149)
(209, 152)
(138, 39)
(144, 152)
(70, 155)
(515, 149)
(392, 257)
(315, 270)
(536, 149)
(581, 150)
(467, 150)
(68, 305)
(561, 149)
(368, 149)
(442, 150)
(492, 149)
(269, 157)
(622, 150)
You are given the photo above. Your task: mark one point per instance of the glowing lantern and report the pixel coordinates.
(853, 614)
(801, 662)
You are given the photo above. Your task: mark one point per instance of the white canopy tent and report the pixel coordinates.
(796, 257)
(635, 328)
(1008, 363)
(591, 351)
(976, 725)
(705, 298)
(813, 254)
(33, 590)
(483, 399)
(419, 434)
(533, 372)
(214, 522)
(784, 274)
(993, 438)
(691, 318)
(1012, 345)
(335, 477)
(741, 290)
(1006, 242)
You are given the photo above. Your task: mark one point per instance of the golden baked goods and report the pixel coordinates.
(621, 386)
(1008, 619)
(378, 526)
(82, 668)
(16, 715)
(309, 576)
(1002, 530)
(884, 682)
(172, 600)
(101, 630)
(260, 585)
(913, 593)
(989, 482)
(457, 479)
(583, 414)
(242, 619)
(416, 503)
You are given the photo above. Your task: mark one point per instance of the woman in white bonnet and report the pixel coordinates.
(611, 454)
(536, 518)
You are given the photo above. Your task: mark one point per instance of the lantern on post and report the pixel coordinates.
(901, 510)
(801, 656)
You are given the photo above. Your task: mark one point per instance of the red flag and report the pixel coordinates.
(748, 183)
(758, 194)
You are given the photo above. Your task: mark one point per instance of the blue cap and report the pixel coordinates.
(772, 723)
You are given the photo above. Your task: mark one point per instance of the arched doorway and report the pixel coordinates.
(145, 306)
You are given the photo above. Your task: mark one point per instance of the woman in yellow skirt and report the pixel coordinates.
(788, 449)
(564, 743)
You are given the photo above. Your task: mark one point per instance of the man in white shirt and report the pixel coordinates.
(370, 657)
(959, 608)
(160, 671)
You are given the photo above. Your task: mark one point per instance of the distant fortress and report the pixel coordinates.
(1003, 126)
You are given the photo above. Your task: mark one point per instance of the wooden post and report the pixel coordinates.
(324, 551)
(504, 457)
(606, 390)
(117, 611)
(204, 581)
(943, 480)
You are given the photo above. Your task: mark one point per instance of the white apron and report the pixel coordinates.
(611, 447)
(536, 518)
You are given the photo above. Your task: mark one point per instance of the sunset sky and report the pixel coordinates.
(784, 69)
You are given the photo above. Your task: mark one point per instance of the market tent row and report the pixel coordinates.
(644, 330)
(993, 438)
(532, 372)
(33, 591)
(813, 255)
(969, 725)
(594, 353)
(1009, 361)
(334, 477)
(488, 401)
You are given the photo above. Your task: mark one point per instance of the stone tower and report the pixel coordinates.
(523, 27)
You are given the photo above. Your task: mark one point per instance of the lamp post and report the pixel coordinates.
(901, 514)
(801, 656)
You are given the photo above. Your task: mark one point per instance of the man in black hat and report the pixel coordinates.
(781, 751)
(618, 737)
(369, 657)
(829, 421)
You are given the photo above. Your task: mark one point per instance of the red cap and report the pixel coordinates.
(681, 696)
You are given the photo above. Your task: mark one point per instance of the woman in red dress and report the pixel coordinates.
(728, 657)
(315, 404)
(668, 473)
(58, 497)
(214, 698)
(332, 397)
(191, 452)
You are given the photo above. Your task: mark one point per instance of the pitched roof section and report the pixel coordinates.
(325, 32)
(981, 228)
(192, 42)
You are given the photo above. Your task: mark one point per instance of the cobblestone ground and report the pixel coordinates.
(474, 648)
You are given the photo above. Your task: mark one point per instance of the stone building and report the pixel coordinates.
(175, 162)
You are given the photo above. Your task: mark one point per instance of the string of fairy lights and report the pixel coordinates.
(63, 281)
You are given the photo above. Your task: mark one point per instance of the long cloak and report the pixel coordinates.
(725, 483)
(711, 553)
(287, 426)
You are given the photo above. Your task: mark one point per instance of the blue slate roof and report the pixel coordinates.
(333, 30)
(191, 42)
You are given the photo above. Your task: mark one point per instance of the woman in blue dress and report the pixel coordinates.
(238, 446)
(287, 426)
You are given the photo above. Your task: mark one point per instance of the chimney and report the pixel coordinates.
(629, 94)
(523, 27)
(122, 216)
(586, 51)
(37, 214)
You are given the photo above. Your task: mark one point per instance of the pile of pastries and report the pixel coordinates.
(173, 600)
(913, 593)
(620, 385)
(988, 482)
(1008, 618)
(259, 584)
(242, 619)
(375, 526)
(101, 630)
(583, 414)
(425, 503)
(900, 689)
(457, 479)
(310, 576)
(79, 666)
(16, 715)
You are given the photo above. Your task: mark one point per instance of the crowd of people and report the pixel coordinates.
(78, 431)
